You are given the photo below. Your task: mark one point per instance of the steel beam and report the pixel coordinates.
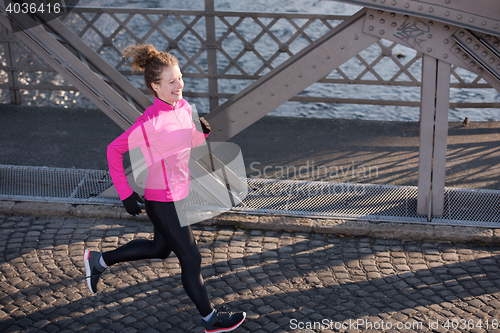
(440, 136)
(291, 77)
(472, 50)
(479, 15)
(427, 112)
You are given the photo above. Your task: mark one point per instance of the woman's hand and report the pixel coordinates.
(131, 205)
(205, 127)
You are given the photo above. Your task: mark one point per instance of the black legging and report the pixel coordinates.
(168, 236)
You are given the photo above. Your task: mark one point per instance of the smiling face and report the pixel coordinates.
(169, 89)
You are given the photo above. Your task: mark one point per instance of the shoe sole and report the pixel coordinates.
(88, 273)
(221, 330)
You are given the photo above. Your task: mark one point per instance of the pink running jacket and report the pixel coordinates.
(165, 135)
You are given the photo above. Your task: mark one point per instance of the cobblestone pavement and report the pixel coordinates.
(287, 282)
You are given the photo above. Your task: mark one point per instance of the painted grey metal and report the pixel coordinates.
(440, 137)
(290, 78)
(479, 15)
(437, 40)
(77, 72)
(426, 147)
(211, 45)
(480, 53)
(85, 22)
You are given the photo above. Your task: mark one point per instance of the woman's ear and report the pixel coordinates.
(154, 86)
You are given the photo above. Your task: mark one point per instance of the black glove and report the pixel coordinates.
(205, 127)
(131, 205)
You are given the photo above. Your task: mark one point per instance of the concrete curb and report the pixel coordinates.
(342, 227)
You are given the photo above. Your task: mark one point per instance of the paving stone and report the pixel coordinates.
(276, 276)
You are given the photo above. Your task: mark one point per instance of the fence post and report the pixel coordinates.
(211, 44)
(15, 94)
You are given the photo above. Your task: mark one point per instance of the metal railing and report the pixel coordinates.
(220, 53)
(268, 196)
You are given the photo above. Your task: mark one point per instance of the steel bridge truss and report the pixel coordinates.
(444, 44)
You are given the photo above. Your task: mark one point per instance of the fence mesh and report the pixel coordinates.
(269, 196)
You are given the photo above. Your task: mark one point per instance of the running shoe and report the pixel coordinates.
(224, 321)
(93, 269)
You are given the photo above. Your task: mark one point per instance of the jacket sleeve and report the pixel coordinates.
(125, 142)
(198, 137)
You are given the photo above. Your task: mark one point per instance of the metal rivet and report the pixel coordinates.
(382, 32)
(393, 24)
(313, 66)
(469, 40)
(476, 47)
(472, 63)
(327, 57)
(448, 1)
(382, 1)
(445, 55)
(498, 66)
(259, 102)
(429, 36)
(246, 111)
(487, 37)
(420, 7)
(457, 50)
(479, 70)
(356, 37)
(483, 23)
(447, 13)
(286, 84)
(342, 47)
(382, 21)
(371, 28)
(393, 14)
(272, 94)
(461, 33)
(496, 44)
(300, 75)
(471, 20)
(431, 23)
(446, 41)
(484, 53)
(431, 10)
(407, 5)
(464, 56)
(233, 120)
(220, 128)
(495, 26)
(371, 17)
(492, 60)
(446, 27)
(459, 16)
(429, 49)
(394, 2)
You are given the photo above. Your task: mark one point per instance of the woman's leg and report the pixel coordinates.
(139, 249)
(181, 241)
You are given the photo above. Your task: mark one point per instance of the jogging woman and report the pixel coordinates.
(165, 133)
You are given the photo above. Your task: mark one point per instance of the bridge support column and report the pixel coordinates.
(433, 135)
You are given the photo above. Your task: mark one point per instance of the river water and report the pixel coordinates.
(327, 110)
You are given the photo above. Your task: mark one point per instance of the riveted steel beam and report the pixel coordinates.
(291, 77)
(474, 51)
(479, 53)
(479, 15)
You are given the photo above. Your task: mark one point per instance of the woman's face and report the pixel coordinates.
(169, 89)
